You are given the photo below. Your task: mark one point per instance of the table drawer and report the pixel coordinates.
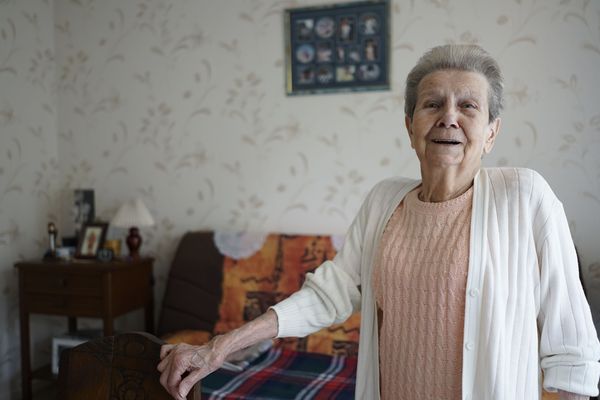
(84, 306)
(63, 283)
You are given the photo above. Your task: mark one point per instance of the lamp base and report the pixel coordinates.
(134, 242)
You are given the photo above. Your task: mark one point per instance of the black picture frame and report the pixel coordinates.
(83, 210)
(338, 48)
(91, 239)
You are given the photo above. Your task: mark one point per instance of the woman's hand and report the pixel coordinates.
(198, 361)
(177, 360)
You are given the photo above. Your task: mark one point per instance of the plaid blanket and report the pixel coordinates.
(285, 374)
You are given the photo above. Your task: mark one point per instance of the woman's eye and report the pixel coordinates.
(432, 105)
(469, 105)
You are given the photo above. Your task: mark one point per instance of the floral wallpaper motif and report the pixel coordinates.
(182, 103)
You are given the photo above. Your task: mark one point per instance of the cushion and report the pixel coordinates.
(188, 336)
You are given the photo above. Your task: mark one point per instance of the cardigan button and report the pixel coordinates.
(469, 346)
(474, 292)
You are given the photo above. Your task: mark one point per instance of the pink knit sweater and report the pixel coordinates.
(419, 283)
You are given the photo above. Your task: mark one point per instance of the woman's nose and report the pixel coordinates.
(448, 119)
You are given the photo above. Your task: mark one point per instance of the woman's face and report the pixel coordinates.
(449, 127)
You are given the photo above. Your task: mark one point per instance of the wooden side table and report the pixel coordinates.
(80, 289)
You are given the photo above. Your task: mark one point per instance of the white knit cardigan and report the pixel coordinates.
(525, 306)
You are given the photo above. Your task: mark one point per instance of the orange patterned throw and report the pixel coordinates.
(189, 336)
(253, 284)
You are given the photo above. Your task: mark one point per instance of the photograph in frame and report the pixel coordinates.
(91, 239)
(337, 48)
(83, 210)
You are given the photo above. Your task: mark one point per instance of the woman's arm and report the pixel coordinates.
(331, 293)
(199, 361)
(569, 347)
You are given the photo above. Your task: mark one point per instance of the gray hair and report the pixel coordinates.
(462, 57)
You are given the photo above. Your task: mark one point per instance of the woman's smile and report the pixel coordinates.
(446, 141)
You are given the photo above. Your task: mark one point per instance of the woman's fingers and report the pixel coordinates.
(165, 349)
(162, 364)
(164, 377)
(178, 366)
(189, 381)
(178, 360)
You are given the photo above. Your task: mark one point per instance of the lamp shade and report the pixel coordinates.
(132, 213)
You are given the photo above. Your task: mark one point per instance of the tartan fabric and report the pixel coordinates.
(281, 374)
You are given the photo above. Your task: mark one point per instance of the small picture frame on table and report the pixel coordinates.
(337, 48)
(91, 239)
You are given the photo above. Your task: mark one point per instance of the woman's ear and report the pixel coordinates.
(408, 124)
(494, 129)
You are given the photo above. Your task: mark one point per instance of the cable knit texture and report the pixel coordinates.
(419, 284)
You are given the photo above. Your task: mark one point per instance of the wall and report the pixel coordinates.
(29, 183)
(182, 104)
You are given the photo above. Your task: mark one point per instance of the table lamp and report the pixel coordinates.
(133, 214)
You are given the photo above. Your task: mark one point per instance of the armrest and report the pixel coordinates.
(120, 366)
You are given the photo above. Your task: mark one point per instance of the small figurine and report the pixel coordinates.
(52, 233)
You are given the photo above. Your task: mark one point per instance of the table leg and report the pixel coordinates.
(150, 309)
(72, 324)
(25, 343)
(108, 326)
(108, 317)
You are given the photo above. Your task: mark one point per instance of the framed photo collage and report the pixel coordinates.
(335, 48)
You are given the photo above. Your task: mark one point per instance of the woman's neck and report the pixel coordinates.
(443, 185)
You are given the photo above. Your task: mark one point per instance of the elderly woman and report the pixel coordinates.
(466, 280)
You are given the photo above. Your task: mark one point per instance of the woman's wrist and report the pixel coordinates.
(255, 331)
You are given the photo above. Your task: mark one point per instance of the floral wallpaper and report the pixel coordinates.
(29, 168)
(182, 103)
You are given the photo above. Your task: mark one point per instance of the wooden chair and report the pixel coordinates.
(124, 366)
(121, 367)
